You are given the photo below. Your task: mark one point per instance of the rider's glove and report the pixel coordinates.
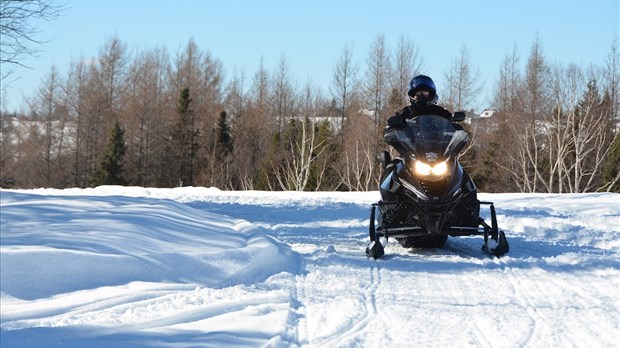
(396, 122)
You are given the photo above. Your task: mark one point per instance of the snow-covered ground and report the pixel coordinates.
(194, 267)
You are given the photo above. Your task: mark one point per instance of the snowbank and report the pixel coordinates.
(57, 244)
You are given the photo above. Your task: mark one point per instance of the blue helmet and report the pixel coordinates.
(422, 83)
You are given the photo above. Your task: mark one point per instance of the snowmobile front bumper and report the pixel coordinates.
(375, 249)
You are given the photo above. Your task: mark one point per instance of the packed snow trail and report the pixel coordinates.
(547, 292)
(559, 286)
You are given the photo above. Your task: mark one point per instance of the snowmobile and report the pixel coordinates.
(426, 195)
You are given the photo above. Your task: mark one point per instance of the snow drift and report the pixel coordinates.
(53, 245)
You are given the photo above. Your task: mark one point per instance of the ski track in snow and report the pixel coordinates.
(208, 278)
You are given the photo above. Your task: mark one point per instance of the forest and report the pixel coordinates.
(156, 118)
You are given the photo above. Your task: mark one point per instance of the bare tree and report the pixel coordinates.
(498, 152)
(210, 109)
(359, 155)
(144, 113)
(41, 138)
(236, 106)
(282, 94)
(9, 161)
(76, 89)
(29, 154)
(560, 126)
(49, 108)
(566, 84)
(252, 131)
(530, 122)
(407, 63)
(376, 92)
(592, 138)
(343, 83)
(323, 173)
(506, 90)
(359, 171)
(103, 97)
(376, 80)
(234, 96)
(304, 146)
(19, 30)
(463, 83)
(611, 74)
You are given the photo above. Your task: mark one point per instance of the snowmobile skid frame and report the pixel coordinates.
(375, 248)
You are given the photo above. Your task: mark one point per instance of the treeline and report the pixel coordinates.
(158, 120)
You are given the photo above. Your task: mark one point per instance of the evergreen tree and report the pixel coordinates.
(110, 171)
(224, 136)
(222, 154)
(184, 140)
(611, 171)
(590, 99)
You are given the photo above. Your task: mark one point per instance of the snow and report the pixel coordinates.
(200, 267)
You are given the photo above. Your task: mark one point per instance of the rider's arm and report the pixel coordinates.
(396, 122)
(455, 119)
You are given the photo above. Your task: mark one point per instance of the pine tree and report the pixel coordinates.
(224, 136)
(110, 171)
(184, 140)
(611, 171)
(222, 154)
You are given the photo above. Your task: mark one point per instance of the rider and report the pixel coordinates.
(423, 98)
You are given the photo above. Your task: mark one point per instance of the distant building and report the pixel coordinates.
(363, 115)
(487, 113)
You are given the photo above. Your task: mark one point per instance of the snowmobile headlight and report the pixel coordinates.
(440, 169)
(424, 169)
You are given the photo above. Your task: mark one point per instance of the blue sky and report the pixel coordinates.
(311, 34)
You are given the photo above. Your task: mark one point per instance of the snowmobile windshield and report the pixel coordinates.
(434, 138)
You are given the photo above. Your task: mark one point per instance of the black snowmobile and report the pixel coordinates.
(426, 195)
